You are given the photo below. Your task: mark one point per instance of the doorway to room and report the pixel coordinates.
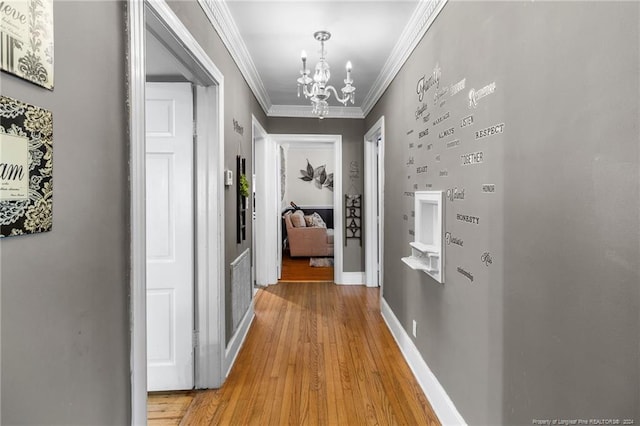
(314, 164)
(176, 208)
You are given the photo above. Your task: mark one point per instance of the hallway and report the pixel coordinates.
(316, 353)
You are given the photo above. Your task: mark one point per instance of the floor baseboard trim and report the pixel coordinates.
(442, 405)
(351, 278)
(236, 342)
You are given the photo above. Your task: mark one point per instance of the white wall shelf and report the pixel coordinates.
(427, 251)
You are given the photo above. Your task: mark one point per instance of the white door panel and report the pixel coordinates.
(170, 234)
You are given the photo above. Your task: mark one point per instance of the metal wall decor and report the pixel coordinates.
(353, 218)
(26, 31)
(26, 168)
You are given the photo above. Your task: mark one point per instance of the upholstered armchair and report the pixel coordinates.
(307, 241)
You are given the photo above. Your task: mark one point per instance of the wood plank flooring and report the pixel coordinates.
(298, 269)
(316, 354)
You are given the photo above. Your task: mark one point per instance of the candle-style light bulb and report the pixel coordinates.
(349, 66)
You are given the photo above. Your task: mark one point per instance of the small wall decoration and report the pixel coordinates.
(26, 168)
(318, 175)
(353, 218)
(26, 34)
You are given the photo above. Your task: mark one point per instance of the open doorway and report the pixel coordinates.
(162, 50)
(279, 148)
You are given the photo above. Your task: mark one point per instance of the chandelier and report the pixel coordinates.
(317, 89)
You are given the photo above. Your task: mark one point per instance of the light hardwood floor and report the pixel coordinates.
(316, 354)
(298, 269)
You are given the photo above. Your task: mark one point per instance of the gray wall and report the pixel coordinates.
(352, 131)
(550, 329)
(65, 306)
(239, 104)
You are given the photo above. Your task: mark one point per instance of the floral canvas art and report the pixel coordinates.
(26, 168)
(26, 33)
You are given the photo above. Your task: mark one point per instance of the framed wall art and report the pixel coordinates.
(26, 40)
(26, 168)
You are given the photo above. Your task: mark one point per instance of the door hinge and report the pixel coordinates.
(196, 338)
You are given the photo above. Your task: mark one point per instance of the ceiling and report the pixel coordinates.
(275, 33)
(266, 37)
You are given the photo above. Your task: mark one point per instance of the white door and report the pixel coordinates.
(170, 234)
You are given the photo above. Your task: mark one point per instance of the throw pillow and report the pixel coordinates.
(297, 219)
(308, 220)
(317, 220)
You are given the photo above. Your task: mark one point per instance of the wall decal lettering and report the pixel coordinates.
(453, 144)
(409, 194)
(455, 88)
(476, 95)
(411, 145)
(425, 119)
(419, 145)
(455, 194)
(413, 213)
(486, 258)
(469, 219)
(488, 188)
(490, 131)
(428, 185)
(450, 239)
(424, 85)
(446, 133)
(443, 173)
(472, 158)
(412, 232)
(409, 132)
(420, 110)
(423, 133)
(438, 158)
(429, 147)
(405, 218)
(441, 118)
(410, 161)
(237, 127)
(467, 121)
(421, 169)
(354, 170)
(439, 94)
(465, 273)
(415, 186)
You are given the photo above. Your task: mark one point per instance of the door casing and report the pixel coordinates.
(374, 204)
(210, 310)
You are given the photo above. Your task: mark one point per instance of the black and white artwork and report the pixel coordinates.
(318, 175)
(26, 168)
(26, 40)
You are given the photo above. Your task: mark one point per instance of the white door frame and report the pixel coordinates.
(209, 194)
(338, 230)
(267, 200)
(374, 205)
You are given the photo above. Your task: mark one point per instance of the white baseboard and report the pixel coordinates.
(233, 348)
(442, 405)
(351, 278)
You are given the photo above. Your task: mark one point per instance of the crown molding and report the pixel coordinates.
(422, 18)
(220, 17)
(298, 111)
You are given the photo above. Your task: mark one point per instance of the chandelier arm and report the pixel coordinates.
(343, 100)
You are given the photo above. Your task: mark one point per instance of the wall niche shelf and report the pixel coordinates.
(427, 251)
